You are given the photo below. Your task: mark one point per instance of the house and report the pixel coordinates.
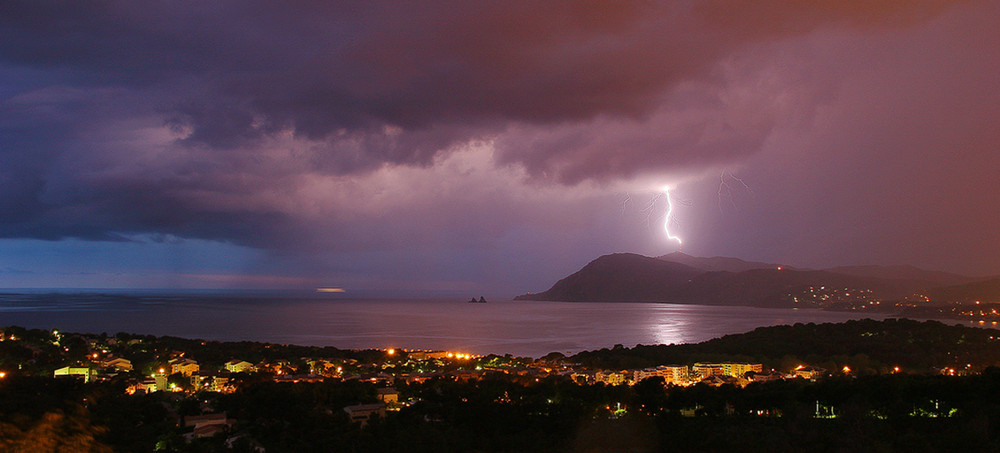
(206, 425)
(764, 377)
(389, 396)
(364, 412)
(324, 368)
(240, 366)
(213, 381)
(184, 366)
(86, 372)
(118, 363)
(611, 377)
(671, 374)
(808, 372)
(142, 388)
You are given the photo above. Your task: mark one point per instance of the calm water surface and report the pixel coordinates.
(521, 328)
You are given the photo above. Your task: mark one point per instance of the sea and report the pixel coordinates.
(520, 328)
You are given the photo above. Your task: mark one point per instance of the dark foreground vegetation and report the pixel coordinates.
(867, 346)
(875, 413)
(508, 407)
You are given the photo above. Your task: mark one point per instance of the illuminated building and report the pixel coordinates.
(808, 372)
(214, 381)
(671, 374)
(142, 388)
(239, 366)
(390, 397)
(424, 355)
(703, 370)
(741, 369)
(735, 369)
(87, 373)
(611, 377)
(119, 364)
(184, 366)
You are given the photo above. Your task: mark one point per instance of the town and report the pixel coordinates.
(145, 393)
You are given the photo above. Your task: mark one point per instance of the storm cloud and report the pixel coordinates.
(379, 126)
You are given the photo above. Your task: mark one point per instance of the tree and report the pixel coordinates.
(179, 380)
(54, 432)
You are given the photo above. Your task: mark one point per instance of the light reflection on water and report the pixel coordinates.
(525, 328)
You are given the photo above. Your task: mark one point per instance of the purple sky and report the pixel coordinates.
(489, 147)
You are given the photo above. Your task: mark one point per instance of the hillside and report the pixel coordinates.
(987, 291)
(624, 277)
(718, 263)
(684, 279)
(778, 288)
(902, 272)
(865, 345)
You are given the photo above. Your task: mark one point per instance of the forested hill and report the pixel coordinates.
(627, 277)
(684, 279)
(621, 277)
(866, 346)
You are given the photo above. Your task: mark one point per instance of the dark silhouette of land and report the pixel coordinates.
(684, 279)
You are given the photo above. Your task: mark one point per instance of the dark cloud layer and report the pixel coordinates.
(347, 126)
(236, 71)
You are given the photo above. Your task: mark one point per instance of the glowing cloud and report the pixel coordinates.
(330, 290)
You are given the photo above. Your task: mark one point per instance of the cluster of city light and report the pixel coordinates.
(439, 354)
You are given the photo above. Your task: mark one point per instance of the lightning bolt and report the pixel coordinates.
(724, 187)
(647, 212)
(726, 190)
(625, 202)
(670, 212)
(745, 186)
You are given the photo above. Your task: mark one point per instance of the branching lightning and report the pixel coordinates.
(650, 208)
(670, 218)
(726, 188)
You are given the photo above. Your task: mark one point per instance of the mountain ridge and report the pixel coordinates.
(685, 279)
(718, 263)
(905, 271)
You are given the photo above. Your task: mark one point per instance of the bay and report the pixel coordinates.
(521, 328)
